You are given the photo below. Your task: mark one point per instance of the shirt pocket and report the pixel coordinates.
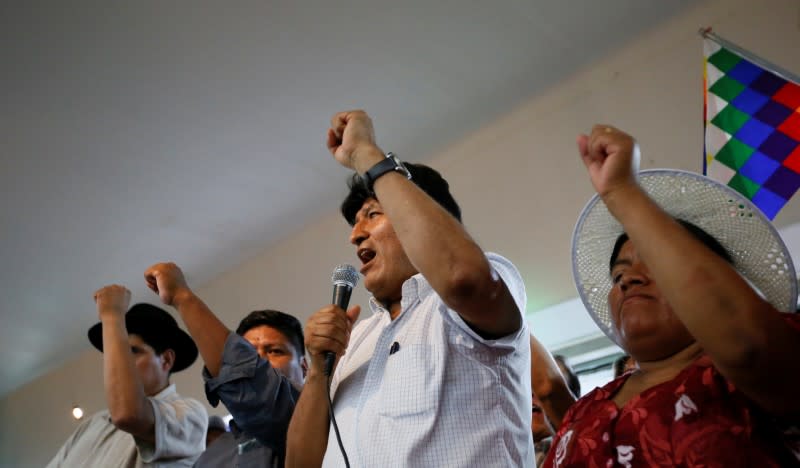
(411, 383)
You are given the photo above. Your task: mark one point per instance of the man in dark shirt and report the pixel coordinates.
(256, 372)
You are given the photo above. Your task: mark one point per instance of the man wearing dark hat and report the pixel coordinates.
(147, 423)
(256, 371)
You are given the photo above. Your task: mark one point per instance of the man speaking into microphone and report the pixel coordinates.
(439, 373)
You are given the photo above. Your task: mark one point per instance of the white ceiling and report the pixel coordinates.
(138, 131)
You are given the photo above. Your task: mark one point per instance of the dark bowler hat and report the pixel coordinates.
(158, 329)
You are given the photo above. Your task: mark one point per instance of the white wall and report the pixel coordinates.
(502, 176)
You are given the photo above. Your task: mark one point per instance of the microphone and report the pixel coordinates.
(344, 279)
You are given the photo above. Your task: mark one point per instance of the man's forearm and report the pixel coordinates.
(441, 249)
(127, 402)
(208, 332)
(307, 439)
(435, 242)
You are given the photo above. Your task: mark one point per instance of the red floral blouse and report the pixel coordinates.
(698, 419)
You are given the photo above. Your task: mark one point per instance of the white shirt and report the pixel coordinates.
(444, 397)
(180, 433)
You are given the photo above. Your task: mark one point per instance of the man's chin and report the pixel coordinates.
(374, 286)
(369, 285)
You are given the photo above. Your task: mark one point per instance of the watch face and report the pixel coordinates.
(398, 165)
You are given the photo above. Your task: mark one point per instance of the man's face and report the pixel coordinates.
(276, 348)
(539, 427)
(384, 263)
(153, 369)
(643, 320)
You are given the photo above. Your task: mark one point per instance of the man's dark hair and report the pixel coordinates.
(284, 323)
(571, 377)
(426, 178)
(707, 239)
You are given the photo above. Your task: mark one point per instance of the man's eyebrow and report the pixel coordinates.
(270, 345)
(366, 208)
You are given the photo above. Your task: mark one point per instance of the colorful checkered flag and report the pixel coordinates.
(752, 125)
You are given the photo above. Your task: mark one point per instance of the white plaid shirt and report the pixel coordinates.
(442, 395)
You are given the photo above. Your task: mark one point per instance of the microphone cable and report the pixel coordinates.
(336, 426)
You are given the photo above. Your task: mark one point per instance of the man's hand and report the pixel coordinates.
(112, 301)
(329, 330)
(351, 140)
(307, 438)
(166, 280)
(611, 157)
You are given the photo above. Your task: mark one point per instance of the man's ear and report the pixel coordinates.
(167, 359)
(304, 366)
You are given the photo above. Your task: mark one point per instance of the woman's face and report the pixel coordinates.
(647, 327)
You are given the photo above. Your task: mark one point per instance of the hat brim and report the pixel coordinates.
(758, 251)
(179, 341)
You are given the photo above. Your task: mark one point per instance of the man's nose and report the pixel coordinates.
(358, 234)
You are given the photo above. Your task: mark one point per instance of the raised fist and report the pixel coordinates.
(166, 280)
(351, 138)
(612, 158)
(112, 300)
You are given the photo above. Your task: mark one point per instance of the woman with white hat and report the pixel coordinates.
(692, 281)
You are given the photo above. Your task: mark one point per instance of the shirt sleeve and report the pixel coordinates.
(259, 398)
(61, 455)
(513, 281)
(180, 430)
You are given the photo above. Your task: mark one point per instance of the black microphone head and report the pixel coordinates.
(345, 274)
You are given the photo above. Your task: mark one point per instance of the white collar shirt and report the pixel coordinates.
(426, 390)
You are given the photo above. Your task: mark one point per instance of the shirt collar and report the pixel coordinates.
(168, 390)
(414, 288)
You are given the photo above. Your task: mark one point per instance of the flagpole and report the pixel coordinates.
(783, 73)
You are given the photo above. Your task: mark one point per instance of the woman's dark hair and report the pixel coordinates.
(426, 178)
(619, 365)
(284, 323)
(707, 239)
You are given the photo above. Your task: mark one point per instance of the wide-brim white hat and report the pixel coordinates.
(757, 249)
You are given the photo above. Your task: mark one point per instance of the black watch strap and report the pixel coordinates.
(379, 169)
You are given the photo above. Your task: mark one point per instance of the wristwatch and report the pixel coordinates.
(391, 163)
